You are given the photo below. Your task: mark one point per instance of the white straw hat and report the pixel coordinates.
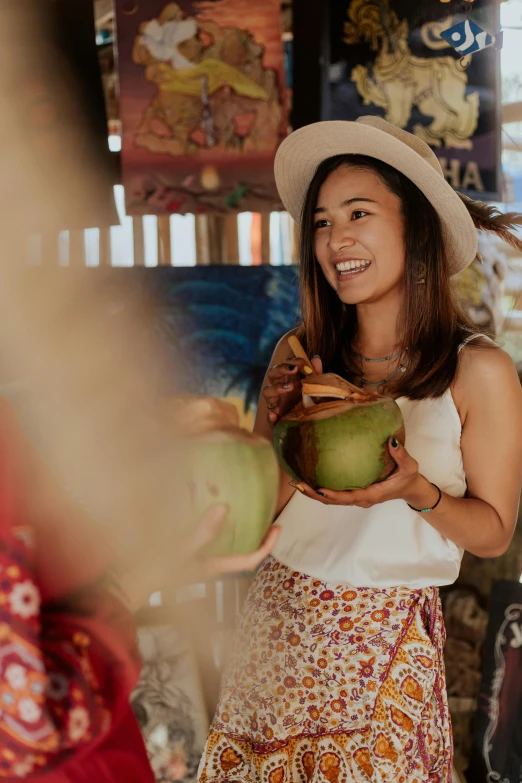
(301, 153)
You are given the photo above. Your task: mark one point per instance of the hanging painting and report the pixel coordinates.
(434, 74)
(202, 103)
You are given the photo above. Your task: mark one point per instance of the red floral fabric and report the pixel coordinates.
(68, 655)
(334, 684)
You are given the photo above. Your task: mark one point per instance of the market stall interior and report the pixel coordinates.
(182, 127)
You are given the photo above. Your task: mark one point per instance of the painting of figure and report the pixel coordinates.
(202, 104)
(395, 59)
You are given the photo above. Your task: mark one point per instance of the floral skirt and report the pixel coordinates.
(333, 684)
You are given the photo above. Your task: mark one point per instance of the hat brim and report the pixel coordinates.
(300, 154)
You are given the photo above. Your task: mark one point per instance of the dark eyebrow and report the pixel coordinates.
(347, 203)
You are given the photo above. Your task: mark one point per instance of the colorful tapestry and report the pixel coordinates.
(389, 59)
(497, 749)
(202, 101)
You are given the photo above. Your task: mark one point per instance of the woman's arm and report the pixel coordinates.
(265, 427)
(489, 399)
(282, 354)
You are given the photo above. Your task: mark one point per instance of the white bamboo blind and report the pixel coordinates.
(246, 239)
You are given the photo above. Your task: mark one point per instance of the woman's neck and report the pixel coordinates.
(377, 332)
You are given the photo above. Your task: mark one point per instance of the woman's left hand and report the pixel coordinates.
(206, 532)
(399, 485)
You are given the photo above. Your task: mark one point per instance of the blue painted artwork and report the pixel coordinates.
(218, 325)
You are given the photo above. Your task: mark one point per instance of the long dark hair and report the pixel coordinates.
(432, 324)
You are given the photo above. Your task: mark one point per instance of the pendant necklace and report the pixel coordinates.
(384, 359)
(378, 385)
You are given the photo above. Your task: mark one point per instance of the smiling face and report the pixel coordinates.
(359, 236)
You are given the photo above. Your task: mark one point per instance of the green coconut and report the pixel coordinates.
(226, 464)
(337, 437)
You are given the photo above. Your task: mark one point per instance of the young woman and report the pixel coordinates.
(339, 671)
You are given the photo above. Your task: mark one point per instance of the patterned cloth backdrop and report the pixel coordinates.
(480, 287)
(497, 750)
(202, 100)
(169, 705)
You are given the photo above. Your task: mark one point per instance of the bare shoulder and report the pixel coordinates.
(487, 374)
(484, 362)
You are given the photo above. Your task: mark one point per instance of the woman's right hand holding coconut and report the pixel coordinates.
(282, 390)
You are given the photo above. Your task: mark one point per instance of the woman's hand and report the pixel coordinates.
(283, 390)
(402, 484)
(206, 532)
(181, 562)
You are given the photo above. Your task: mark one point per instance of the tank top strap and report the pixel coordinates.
(474, 337)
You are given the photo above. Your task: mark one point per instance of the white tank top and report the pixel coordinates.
(387, 545)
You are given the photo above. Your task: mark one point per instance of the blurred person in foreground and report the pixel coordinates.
(68, 659)
(68, 656)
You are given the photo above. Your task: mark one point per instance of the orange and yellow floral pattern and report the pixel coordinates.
(331, 684)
